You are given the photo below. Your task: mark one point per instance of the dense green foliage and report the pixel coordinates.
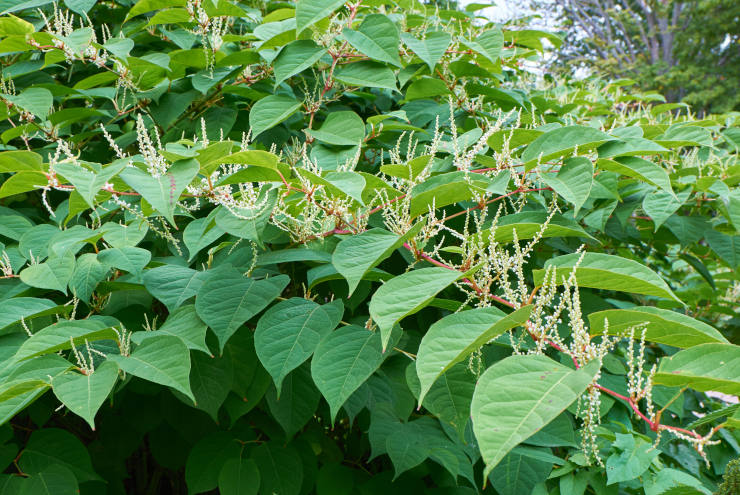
(332, 248)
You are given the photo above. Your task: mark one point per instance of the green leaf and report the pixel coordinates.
(343, 361)
(119, 236)
(88, 273)
(162, 192)
(660, 205)
(367, 74)
(703, 367)
(271, 111)
(173, 284)
(197, 236)
(355, 255)
(280, 467)
(528, 224)
(519, 395)
(406, 294)
(18, 308)
(22, 182)
(456, 336)
(228, 299)
(298, 402)
(608, 272)
(518, 473)
(489, 44)
(210, 381)
(84, 394)
(426, 87)
(296, 57)
(239, 477)
(54, 274)
(207, 458)
(663, 326)
(573, 181)
(308, 12)
(60, 336)
(37, 101)
(377, 38)
(52, 446)
(86, 182)
(726, 246)
(639, 168)
(634, 458)
(162, 359)
(341, 128)
(431, 49)
(130, 259)
(287, 334)
(55, 479)
(562, 141)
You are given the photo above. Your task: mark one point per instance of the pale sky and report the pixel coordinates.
(500, 10)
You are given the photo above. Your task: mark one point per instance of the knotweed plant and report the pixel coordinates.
(321, 247)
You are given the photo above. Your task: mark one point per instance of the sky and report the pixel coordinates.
(500, 10)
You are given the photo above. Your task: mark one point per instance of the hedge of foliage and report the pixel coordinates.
(353, 248)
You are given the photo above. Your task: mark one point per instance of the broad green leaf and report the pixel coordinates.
(53, 446)
(89, 272)
(630, 147)
(343, 361)
(726, 246)
(280, 467)
(608, 272)
(341, 128)
(60, 335)
(561, 142)
(287, 334)
(162, 359)
(210, 381)
(20, 161)
(703, 367)
(426, 88)
(198, 236)
(528, 224)
(87, 183)
(456, 336)
(449, 397)
(660, 205)
(518, 473)
(239, 477)
(173, 284)
(271, 111)
(54, 479)
(162, 192)
(368, 74)
(53, 274)
(207, 458)
(431, 49)
(519, 395)
(22, 182)
(639, 168)
(227, 299)
(406, 294)
(308, 12)
(377, 37)
(298, 402)
(443, 190)
(355, 255)
(296, 57)
(663, 326)
(84, 394)
(119, 236)
(489, 44)
(350, 183)
(573, 181)
(184, 324)
(250, 222)
(514, 138)
(635, 457)
(130, 259)
(37, 101)
(13, 224)
(18, 308)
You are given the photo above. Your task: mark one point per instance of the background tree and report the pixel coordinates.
(686, 49)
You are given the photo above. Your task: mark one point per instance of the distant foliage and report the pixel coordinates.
(352, 248)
